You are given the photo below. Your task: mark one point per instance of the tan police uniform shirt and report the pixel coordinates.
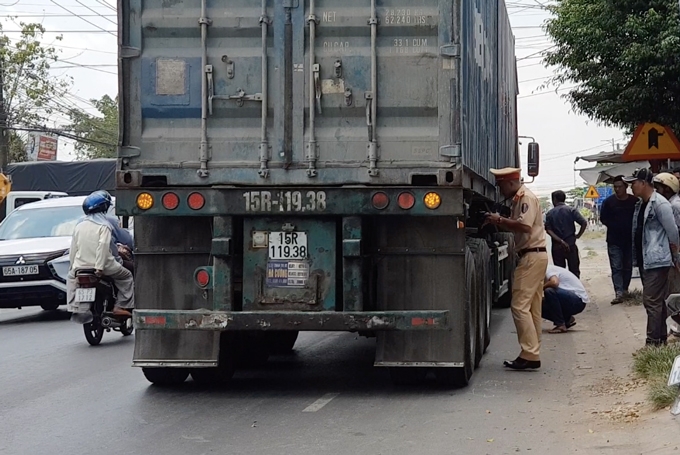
(527, 210)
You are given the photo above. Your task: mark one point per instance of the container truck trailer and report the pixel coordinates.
(315, 165)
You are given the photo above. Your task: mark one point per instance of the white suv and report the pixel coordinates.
(34, 244)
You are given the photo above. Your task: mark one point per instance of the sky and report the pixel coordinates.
(88, 55)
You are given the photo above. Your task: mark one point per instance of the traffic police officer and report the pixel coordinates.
(526, 222)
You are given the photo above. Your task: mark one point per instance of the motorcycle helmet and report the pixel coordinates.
(99, 201)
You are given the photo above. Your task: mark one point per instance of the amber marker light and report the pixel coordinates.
(144, 201)
(432, 200)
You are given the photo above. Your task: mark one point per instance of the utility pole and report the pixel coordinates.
(4, 132)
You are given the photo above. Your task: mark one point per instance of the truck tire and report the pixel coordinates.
(165, 377)
(49, 306)
(502, 238)
(482, 254)
(460, 376)
(282, 342)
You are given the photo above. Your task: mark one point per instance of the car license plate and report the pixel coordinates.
(85, 294)
(20, 270)
(287, 245)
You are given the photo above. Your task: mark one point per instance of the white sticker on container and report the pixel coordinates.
(170, 77)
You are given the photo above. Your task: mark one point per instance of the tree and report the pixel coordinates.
(98, 134)
(623, 56)
(17, 148)
(30, 92)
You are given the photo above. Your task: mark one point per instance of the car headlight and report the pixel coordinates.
(59, 266)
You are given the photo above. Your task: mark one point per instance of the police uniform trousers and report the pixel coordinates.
(527, 297)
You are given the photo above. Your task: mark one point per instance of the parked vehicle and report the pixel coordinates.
(94, 300)
(327, 173)
(34, 243)
(16, 199)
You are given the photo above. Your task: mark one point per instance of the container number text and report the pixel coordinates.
(285, 201)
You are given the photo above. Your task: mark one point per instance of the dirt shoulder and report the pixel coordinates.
(605, 394)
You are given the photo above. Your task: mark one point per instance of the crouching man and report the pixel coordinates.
(564, 296)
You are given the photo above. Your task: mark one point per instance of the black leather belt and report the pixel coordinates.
(521, 253)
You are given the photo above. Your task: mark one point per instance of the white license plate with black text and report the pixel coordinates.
(85, 295)
(287, 245)
(20, 270)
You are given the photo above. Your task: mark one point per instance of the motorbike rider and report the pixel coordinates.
(91, 248)
(122, 244)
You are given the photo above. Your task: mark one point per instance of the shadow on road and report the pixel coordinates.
(320, 364)
(41, 316)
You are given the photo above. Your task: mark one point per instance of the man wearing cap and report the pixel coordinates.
(526, 222)
(655, 243)
(668, 186)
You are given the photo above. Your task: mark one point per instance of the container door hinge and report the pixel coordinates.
(130, 52)
(450, 50)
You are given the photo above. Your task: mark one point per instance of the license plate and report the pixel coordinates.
(287, 245)
(85, 294)
(20, 270)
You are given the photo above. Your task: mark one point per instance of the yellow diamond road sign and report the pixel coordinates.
(592, 193)
(652, 141)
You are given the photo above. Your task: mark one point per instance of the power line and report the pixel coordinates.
(101, 15)
(82, 18)
(101, 30)
(60, 132)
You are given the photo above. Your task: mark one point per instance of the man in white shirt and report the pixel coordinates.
(91, 249)
(564, 296)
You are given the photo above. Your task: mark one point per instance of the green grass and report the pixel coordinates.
(654, 364)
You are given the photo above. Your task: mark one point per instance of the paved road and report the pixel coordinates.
(60, 396)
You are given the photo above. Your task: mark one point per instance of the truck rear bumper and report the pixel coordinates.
(329, 321)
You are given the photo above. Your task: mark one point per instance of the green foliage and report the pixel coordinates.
(586, 213)
(30, 92)
(576, 192)
(17, 147)
(623, 56)
(654, 364)
(99, 133)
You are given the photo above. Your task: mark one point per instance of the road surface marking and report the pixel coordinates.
(321, 402)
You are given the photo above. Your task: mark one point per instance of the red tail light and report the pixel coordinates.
(170, 201)
(380, 200)
(406, 200)
(87, 281)
(196, 201)
(202, 278)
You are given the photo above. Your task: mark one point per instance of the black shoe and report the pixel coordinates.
(522, 364)
(617, 300)
(571, 323)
